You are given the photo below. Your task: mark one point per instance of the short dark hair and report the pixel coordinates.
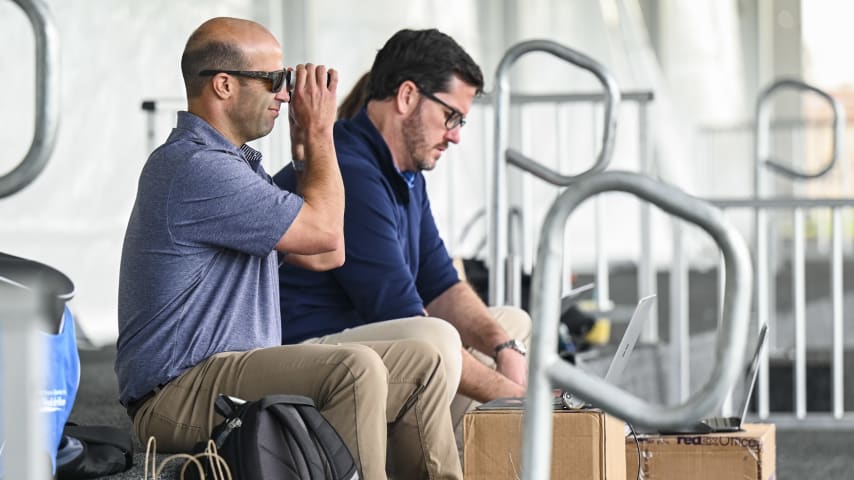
(208, 54)
(356, 99)
(427, 57)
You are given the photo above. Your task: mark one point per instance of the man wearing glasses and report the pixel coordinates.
(398, 280)
(198, 289)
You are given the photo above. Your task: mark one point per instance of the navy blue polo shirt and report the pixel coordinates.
(395, 264)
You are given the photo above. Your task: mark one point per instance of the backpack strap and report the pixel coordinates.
(229, 408)
(299, 439)
(340, 461)
(289, 399)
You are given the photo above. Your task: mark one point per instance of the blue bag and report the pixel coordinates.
(62, 377)
(62, 362)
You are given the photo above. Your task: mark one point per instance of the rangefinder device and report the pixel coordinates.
(291, 79)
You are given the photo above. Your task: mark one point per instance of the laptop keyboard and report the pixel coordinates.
(723, 423)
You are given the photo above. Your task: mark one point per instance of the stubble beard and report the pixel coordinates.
(416, 143)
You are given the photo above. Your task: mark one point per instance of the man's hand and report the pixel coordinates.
(484, 384)
(311, 110)
(297, 136)
(319, 225)
(512, 365)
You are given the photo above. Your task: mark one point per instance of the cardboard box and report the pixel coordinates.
(747, 455)
(586, 445)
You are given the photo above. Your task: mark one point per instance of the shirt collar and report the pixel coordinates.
(408, 177)
(252, 156)
(211, 136)
(401, 182)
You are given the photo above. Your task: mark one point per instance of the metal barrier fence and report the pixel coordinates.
(829, 215)
(770, 246)
(548, 370)
(787, 342)
(521, 212)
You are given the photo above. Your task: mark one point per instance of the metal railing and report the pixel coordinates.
(47, 99)
(547, 370)
(762, 130)
(502, 155)
(523, 212)
(21, 315)
(794, 210)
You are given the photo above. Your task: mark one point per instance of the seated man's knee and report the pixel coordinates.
(440, 333)
(365, 365)
(515, 321)
(424, 358)
(446, 339)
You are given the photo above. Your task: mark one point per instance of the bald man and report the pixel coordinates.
(198, 287)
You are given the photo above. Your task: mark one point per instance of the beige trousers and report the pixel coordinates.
(446, 339)
(387, 399)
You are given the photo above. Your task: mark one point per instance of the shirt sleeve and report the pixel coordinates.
(375, 275)
(219, 200)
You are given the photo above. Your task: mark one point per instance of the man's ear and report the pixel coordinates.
(223, 85)
(407, 97)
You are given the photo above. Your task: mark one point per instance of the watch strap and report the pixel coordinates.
(512, 344)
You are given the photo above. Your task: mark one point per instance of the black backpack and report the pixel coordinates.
(278, 436)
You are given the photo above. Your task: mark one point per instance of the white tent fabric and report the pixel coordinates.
(114, 55)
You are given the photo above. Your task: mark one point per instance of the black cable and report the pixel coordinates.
(637, 446)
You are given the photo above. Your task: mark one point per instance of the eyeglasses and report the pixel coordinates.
(454, 118)
(276, 78)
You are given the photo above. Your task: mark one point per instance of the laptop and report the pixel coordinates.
(730, 424)
(615, 369)
(624, 350)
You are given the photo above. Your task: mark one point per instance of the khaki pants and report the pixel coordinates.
(380, 396)
(446, 339)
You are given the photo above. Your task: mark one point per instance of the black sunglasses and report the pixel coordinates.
(276, 78)
(453, 119)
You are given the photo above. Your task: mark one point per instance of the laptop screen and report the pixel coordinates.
(630, 339)
(753, 371)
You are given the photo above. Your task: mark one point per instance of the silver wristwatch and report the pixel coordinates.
(513, 344)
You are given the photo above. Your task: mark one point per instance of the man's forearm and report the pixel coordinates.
(320, 183)
(461, 306)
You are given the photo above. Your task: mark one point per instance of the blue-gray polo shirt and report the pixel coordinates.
(198, 271)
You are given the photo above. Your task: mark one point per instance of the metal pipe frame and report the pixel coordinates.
(47, 99)
(547, 370)
(680, 375)
(21, 345)
(761, 130)
(498, 208)
(647, 281)
(838, 390)
(799, 310)
(801, 417)
(727, 407)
